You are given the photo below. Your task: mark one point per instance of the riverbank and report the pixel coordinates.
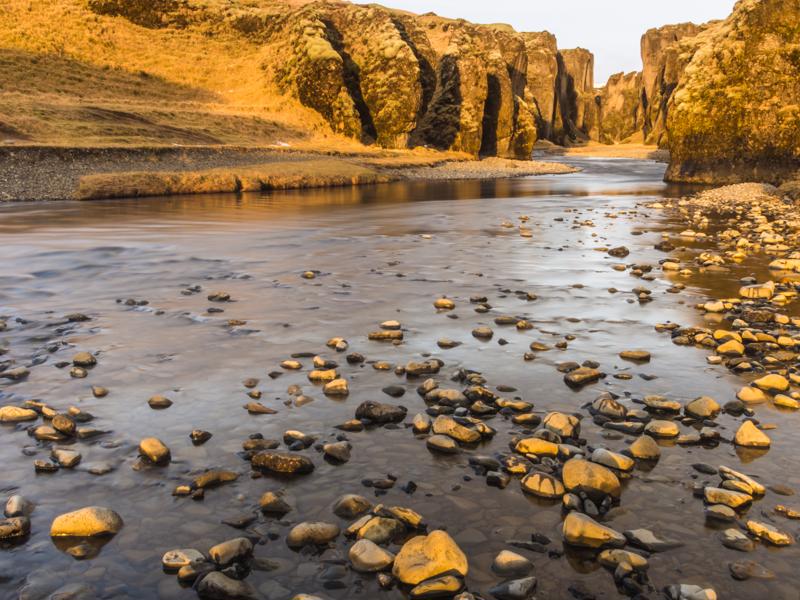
(54, 173)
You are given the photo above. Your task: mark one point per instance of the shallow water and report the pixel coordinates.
(383, 252)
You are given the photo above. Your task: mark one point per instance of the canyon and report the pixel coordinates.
(722, 97)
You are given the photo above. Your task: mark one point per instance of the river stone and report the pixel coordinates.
(286, 463)
(690, 592)
(731, 349)
(645, 448)
(660, 403)
(613, 558)
(567, 426)
(635, 355)
(443, 444)
(273, 503)
(772, 383)
(67, 459)
(444, 586)
(749, 436)
(367, 557)
(595, 480)
(213, 478)
(720, 512)
(15, 414)
(748, 569)
(662, 429)
(444, 304)
(542, 485)
(175, 559)
(351, 506)
(218, 586)
(380, 530)
(337, 451)
(536, 446)
(702, 408)
(421, 423)
(231, 551)
(516, 589)
(728, 473)
(380, 413)
(448, 426)
(613, 460)
(154, 450)
(337, 387)
(751, 395)
(159, 402)
(311, 533)
(608, 407)
(736, 540)
(768, 533)
(84, 359)
(511, 564)
(734, 500)
(581, 530)
(87, 522)
(582, 376)
(14, 527)
(427, 556)
(18, 506)
(646, 540)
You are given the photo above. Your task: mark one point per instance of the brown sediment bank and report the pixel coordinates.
(52, 173)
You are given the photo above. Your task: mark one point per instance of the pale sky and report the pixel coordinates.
(609, 28)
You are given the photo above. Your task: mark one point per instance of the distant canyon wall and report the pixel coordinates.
(402, 80)
(723, 97)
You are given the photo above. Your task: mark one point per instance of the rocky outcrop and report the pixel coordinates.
(397, 79)
(575, 118)
(541, 75)
(663, 62)
(735, 115)
(621, 113)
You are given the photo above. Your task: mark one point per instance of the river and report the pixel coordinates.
(379, 253)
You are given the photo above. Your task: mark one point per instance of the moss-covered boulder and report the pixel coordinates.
(735, 115)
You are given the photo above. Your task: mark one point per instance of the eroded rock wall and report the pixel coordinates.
(735, 115)
(621, 113)
(402, 80)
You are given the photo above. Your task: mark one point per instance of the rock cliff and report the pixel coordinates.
(398, 79)
(735, 115)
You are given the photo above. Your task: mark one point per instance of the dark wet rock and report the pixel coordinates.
(282, 463)
(395, 391)
(18, 506)
(231, 551)
(443, 586)
(64, 424)
(517, 589)
(14, 527)
(380, 413)
(199, 437)
(218, 586)
(337, 451)
(748, 569)
(273, 503)
(351, 506)
(736, 540)
(214, 478)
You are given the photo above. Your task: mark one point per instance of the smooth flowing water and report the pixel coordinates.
(383, 252)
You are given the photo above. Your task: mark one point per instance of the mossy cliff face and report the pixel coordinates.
(620, 112)
(663, 62)
(736, 112)
(397, 79)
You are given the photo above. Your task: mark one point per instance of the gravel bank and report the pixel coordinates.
(50, 173)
